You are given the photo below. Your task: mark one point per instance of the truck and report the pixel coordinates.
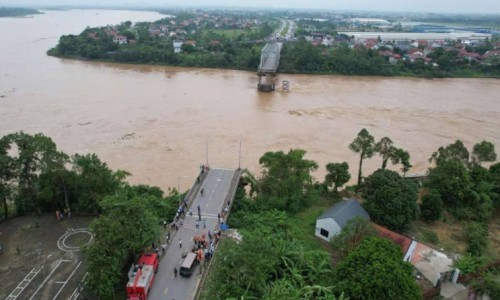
(141, 276)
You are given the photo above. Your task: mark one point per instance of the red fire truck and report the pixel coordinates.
(141, 277)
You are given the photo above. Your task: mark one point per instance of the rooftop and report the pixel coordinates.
(344, 211)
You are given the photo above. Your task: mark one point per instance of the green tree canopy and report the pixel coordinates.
(338, 174)
(7, 173)
(455, 151)
(375, 270)
(286, 180)
(364, 144)
(431, 207)
(390, 200)
(484, 152)
(385, 148)
(451, 179)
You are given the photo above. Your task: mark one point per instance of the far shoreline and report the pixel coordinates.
(69, 58)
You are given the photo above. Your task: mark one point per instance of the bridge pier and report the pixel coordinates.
(269, 61)
(266, 82)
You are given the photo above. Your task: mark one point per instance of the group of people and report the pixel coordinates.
(205, 249)
(60, 215)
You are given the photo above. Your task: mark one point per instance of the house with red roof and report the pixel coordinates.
(435, 266)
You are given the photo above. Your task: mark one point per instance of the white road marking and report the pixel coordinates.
(75, 293)
(53, 270)
(71, 275)
(26, 281)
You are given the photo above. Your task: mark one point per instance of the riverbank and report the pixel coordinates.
(192, 64)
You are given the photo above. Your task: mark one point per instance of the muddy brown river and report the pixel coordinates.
(155, 121)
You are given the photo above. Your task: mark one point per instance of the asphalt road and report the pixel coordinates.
(167, 287)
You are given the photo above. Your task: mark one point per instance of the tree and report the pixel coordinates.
(353, 233)
(494, 171)
(390, 200)
(404, 158)
(121, 233)
(37, 155)
(7, 173)
(364, 144)
(338, 174)
(483, 152)
(286, 180)
(375, 270)
(451, 179)
(431, 207)
(385, 149)
(455, 151)
(95, 180)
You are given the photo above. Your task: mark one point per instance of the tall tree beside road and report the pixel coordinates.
(127, 225)
(364, 144)
(286, 180)
(338, 174)
(95, 180)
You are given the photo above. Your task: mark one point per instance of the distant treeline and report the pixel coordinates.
(302, 57)
(17, 11)
(242, 52)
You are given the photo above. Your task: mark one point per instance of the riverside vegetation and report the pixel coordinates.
(279, 257)
(230, 48)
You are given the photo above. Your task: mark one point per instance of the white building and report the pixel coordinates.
(331, 222)
(177, 46)
(120, 39)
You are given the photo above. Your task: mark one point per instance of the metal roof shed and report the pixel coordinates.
(334, 219)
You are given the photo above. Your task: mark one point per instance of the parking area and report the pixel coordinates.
(41, 257)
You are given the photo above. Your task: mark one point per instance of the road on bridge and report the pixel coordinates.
(216, 185)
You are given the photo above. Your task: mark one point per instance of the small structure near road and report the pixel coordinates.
(331, 222)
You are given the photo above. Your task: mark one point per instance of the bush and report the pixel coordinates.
(477, 237)
(469, 264)
(431, 207)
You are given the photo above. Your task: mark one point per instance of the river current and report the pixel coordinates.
(156, 121)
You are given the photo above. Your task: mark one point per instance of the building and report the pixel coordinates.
(177, 46)
(430, 264)
(120, 39)
(331, 222)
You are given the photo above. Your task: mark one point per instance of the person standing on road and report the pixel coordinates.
(180, 243)
(163, 248)
(167, 237)
(204, 224)
(197, 225)
(164, 224)
(175, 271)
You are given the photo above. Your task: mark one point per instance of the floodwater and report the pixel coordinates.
(156, 122)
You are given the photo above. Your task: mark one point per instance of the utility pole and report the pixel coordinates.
(178, 188)
(206, 150)
(239, 158)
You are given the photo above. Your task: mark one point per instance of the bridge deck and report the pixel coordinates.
(270, 58)
(219, 185)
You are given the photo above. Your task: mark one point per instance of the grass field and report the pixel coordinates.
(228, 33)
